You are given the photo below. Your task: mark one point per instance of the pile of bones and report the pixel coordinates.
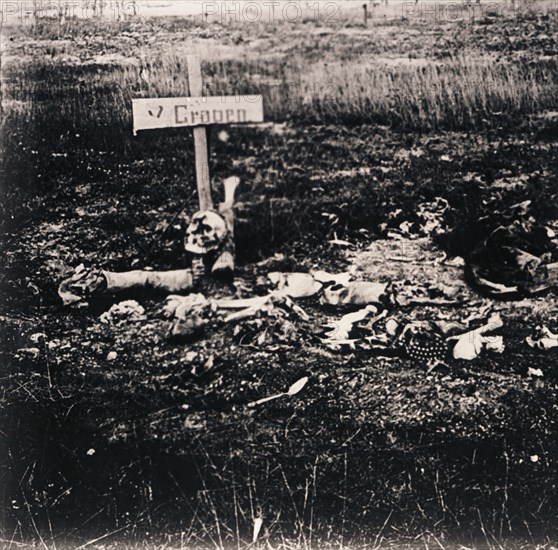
(210, 241)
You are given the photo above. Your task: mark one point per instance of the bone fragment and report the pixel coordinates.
(549, 340)
(225, 259)
(470, 344)
(358, 293)
(295, 285)
(341, 329)
(338, 279)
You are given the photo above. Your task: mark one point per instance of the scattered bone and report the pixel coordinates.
(339, 279)
(28, 352)
(426, 342)
(495, 344)
(295, 285)
(182, 307)
(225, 258)
(392, 326)
(535, 373)
(470, 344)
(357, 293)
(456, 261)
(341, 329)
(252, 306)
(261, 304)
(242, 303)
(258, 305)
(229, 186)
(544, 339)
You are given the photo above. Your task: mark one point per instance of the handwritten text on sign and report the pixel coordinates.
(175, 112)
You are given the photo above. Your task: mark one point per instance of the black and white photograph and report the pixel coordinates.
(279, 275)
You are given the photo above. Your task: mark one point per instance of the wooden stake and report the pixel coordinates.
(203, 180)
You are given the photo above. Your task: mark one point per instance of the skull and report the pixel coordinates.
(206, 233)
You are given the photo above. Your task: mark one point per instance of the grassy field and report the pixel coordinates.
(157, 450)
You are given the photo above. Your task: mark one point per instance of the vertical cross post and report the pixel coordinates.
(203, 181)
(365, 8)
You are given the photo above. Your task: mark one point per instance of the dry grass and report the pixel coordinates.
(320, 77)
(457, 94)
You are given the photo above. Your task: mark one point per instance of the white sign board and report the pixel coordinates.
(176, 112)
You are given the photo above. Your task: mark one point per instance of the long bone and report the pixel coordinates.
(251, 307)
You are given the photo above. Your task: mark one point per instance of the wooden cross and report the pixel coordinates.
(195, 85)
(199, 112)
